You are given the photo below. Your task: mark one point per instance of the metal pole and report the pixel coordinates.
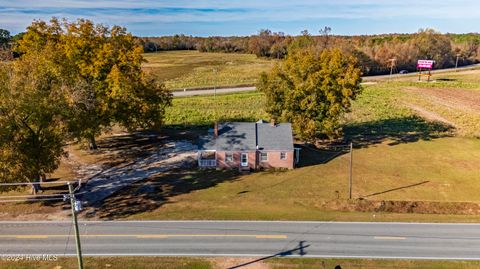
(75, 225)
(456, 62)
(351, 170)
(391, 70)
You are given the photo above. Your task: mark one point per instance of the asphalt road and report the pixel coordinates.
(252, 239)
(365, 79)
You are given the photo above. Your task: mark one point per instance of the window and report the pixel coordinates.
(244, 159)
(283, 155)
(263, 156)
(228, 157)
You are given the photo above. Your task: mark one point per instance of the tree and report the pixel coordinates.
(325, 36)
(311, 89)
(4, 38)
(434, 46)
(32, 133)
(100, 68)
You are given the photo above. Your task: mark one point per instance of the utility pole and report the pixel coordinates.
(76, 205)
(215, 86)
(456, 61)
(351, 172)
(392, 65)
(75, 224)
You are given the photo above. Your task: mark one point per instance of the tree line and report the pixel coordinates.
(374, 52)
(71, 81)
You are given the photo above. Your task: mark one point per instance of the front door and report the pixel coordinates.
(244, 159)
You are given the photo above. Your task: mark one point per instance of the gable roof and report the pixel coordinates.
(245, 136)
(278, 137)
(232, 136)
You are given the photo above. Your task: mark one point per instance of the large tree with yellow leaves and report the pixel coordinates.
(100, 68)
(311, 89)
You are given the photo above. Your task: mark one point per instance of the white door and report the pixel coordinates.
(244, 159)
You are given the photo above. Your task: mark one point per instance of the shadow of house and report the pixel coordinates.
(396, 131)
(313, 156)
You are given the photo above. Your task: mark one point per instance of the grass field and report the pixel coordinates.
(416, 149)
(401, 155)
(221, 263)
(112, 262)
(192, 69)
(204, 110)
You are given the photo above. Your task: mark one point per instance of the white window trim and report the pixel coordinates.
(284, 158)
(243, 164)
(266, 159)
(231, 156)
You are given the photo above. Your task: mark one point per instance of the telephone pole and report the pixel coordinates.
(456, 61)
(350, 179)
(76, 205)
(392, 65)
(73, 204)
(215, 85)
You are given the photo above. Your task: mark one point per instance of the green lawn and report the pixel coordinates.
(408, 166)
(440, 170)
(112, 262)
(219, 263)
(369, 264)
(192, 69)
(204, 110)
(400, 156)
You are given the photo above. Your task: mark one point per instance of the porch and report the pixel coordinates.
(207, 159)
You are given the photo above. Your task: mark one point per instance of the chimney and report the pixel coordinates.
(215, 129)
(273, 122)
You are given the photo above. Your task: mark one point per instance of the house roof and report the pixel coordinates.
(278, 137)
(246, 136)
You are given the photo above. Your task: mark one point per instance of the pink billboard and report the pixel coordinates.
(425, 64)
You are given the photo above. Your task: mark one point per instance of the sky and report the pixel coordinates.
(246, 17)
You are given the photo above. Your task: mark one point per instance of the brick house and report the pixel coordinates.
(248, 146)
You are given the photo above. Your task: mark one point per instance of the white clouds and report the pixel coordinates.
(16, 15)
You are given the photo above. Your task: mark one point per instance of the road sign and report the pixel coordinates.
(425, 64)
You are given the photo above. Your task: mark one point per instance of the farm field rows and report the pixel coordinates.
(192, 69)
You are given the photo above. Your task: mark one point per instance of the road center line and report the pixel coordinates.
(389, 238)
(42, 236)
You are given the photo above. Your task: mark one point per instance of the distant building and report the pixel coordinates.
(248, 146)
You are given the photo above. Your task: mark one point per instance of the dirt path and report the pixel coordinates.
(428, 115)
(459, 99)
(101, 184)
